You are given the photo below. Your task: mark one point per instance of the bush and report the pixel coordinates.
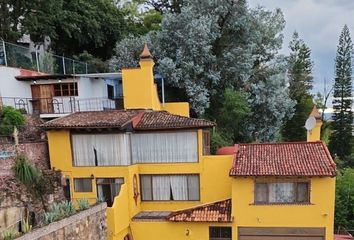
(9, 234)
(83, 204)
(10, 118)
(25, 172)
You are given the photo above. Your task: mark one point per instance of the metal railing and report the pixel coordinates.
(13, 55)
(61, 105)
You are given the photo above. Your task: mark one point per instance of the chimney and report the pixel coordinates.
(314, 134)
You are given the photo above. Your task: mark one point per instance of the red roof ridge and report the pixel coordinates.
(278, 143)
(136, 119)
(334, 165)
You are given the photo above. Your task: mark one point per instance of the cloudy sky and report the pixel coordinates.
(319, 23)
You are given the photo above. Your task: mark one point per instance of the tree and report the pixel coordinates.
(208, 47)
(300, 68)
(73, 26)
(233, 115)
(341, 142)
(344, 210)
(9, 119)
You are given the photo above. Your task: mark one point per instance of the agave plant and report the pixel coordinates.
(25, 172)
(25, 226)
(9, 234)
(83, 204)
(67, 208)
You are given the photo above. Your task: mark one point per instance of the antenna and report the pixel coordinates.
(310, 123)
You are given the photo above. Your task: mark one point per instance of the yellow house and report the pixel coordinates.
(150, 162)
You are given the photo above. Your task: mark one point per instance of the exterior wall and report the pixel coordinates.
(178, 108)
(140, 91)
(172, 231)
(320, 213)
(37, 154)
(214, 185)
(315, 133)
(10, 87)
(89, 224)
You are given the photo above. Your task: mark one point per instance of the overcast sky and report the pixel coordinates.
(319, 23)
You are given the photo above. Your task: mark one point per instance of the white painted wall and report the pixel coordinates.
(10, 86)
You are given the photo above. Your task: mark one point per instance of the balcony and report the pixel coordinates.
(61, 106)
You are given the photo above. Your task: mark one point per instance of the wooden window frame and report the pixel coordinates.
(206, 142)
(179, 174)
(296, 188)
(72, 89)
(82, 178)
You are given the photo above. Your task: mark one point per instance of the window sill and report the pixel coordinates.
(281, 204)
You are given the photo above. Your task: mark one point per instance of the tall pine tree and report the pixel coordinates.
(341, 142)
(300, 79)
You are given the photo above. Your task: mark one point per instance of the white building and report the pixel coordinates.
(56, 95)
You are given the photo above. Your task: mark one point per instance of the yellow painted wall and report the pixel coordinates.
(215, 185)
(140, 91)
(315, 134)
(320, 213)
(178, 108)
(172, 231)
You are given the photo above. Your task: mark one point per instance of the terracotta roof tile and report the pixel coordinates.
(343, 237)
(165, 120)
(283, 159)
(213, 212)
(139, 119)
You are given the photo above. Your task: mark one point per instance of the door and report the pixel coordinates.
(280, 233)
(42, 98)
(108, 189)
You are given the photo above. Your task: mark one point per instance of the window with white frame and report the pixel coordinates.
(165, 147)
(282, 192)
(101, 149)
(220, 233)
(169, 187)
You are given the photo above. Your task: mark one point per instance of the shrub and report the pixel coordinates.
(9, 234)
(25, 172)
(50, 217)
(67, 208)
(10, 118)
(83, 204)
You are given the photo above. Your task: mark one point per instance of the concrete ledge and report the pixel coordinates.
(55, 226)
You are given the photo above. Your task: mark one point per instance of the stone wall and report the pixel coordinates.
(90, 224)
(36, 152)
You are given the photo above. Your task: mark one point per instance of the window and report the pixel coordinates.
(169, 187)
(282, 192)
(110, 92)
(165, 147)
(101, 149)
(220, 233)
(83, 184)
(206, 142)
(65, 89)
(108, 189)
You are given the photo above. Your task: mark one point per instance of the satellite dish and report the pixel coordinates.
(310, 123)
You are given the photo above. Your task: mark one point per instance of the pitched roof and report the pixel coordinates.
(146, 53)
(138, 119)
(315, 113)
(213, 212)
(283, 159)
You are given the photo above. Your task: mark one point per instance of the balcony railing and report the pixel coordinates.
(61, 105)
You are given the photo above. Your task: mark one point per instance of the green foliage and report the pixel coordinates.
(25, 172)
(294, 129)
(218, 140)
(94, 64)
(344, 210)
(25, 225)
(83, 204)
(58, 211)
(10, 118)
(341, 142)
(233, 115)
(300, 68)
(205, 47)
(9, 234)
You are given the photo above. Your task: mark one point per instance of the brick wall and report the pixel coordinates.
(89, 225)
